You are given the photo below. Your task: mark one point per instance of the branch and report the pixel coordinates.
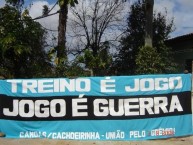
(41, 17)
(53, 7)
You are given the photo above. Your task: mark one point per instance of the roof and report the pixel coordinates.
(181, 38)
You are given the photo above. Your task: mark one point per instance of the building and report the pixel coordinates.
(182, 47)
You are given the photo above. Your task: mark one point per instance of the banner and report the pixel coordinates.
(97, 108)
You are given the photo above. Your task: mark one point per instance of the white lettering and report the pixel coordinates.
(45, 86)
(160, 103)
(146, 104)
(76, 107)
(62, 106)
(150, 84)
(83, 85)
(44, 110)
(175, 104)
(30, 85)
(30, 108)
(39, 108)
(129, 107)
(108, 85)
(14, 85)
(135, 88)
(100, 111)
(15, 111)
(147, 84)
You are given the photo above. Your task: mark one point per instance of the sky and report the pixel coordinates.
(180, 10)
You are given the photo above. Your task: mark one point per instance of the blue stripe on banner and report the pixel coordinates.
(98, 86)
(141, 129)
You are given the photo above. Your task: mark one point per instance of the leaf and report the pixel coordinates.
(76, 1)
(61, 2)
(45, 10)
(25, 13)
(56, 61)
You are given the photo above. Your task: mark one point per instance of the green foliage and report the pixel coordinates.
(149, 61)
(71, 2)
(15, 3)
(166, 54)
(98, 64)
(22, 45)
(66, 69)
(70, 70)
(45, 10)
(134, 39)
(74, 70)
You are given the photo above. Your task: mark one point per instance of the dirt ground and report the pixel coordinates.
(171, 141)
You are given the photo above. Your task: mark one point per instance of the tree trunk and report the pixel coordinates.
(63, 15)
(149, 22)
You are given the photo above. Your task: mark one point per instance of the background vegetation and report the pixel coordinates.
(25, 52)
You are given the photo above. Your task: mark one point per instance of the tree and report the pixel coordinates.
(63, 16)
(16, 3)
(100, 62)
(149, 22)
(60, 49)
(93, 19)
(22, 43)
(134, 38)
(149, 61)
